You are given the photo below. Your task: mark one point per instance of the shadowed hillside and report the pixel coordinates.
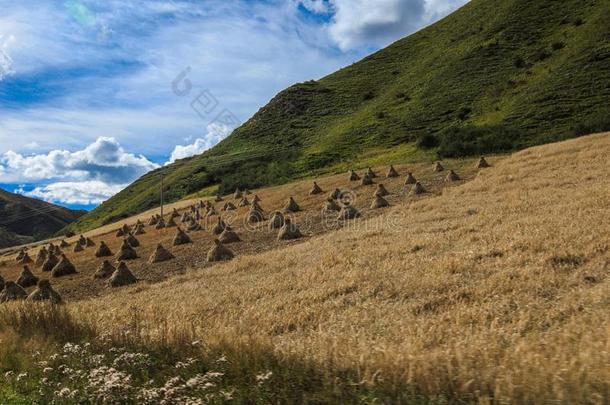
(491, 77)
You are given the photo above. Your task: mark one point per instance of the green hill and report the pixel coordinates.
(25, 220)
(491, 77)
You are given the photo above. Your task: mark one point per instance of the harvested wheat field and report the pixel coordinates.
(495, 291)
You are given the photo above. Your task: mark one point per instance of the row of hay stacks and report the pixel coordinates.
(195, 233)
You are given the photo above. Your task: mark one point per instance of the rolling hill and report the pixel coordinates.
(491, 77)
(24, 220)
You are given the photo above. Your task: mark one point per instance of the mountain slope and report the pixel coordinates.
(24, 219)
(492, 76)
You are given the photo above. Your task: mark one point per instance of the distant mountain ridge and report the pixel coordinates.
(24, 219)
(493, 76)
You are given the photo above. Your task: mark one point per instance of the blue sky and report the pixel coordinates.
(93, 93)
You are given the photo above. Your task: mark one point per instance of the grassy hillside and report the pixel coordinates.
(24, 219)
(495, 291)
(492, 76)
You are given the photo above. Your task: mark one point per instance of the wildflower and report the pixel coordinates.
(47, 370)
(262, 378)
(21, 376)
(9, 374)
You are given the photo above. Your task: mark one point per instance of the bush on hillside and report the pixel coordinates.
(472, 141)
(598, 122)
(427, 141)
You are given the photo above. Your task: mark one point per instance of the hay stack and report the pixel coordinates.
(126, 252)
(20, 255)
(255, 215)
(366, 180)
(119, 233)
(219, 252)
(256, 199)
(63, 268)
(331, 205)
(211, 212)
(391, 172)
(83, 241)
(277, 220)
(381, 191)
(133, 241)
(410, 179)
(315, 189)
(335, 195)
(25, 259)
(122, 276)
(171, 222)
(89, 242)
(140, 230)
(63, 244)
(50, 262)
(453, 176)
(237, 195)
(185, 217)
(153, 221)
(77, 248)
(229, 206)
(105, 270)
(289, 231)
(44, 292)
(244, 202)
(181, 238)
(371, 173)
(438, 167)
(218, 198)
(482, 163)
(228, 236)
(103, 250)
(353, 176)
(219, 227)
(292, 206)
(41, 256)
(247, 192)
(160, 224)
(12, 292)
(175, 213)
(27, 278)
(194, 226)
(379, 202)
(160, 255)
(348, 212)
(418, 188)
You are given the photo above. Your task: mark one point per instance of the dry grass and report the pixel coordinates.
(495, 291)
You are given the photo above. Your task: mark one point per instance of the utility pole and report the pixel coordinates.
(161, 195)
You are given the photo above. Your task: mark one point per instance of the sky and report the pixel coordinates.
(95, 93)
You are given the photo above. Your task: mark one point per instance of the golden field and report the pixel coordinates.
(497, 289)
(493, 291)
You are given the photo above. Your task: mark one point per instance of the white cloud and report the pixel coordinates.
(6, 63)
(215, 133)
(82, 192)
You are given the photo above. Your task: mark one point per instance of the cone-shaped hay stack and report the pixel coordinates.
(289, 231)
(126, 252)
(366, 180)
(63, 244)
(105, 270)
(218, 198)
(89, 242)
(219, 227)
(381, 191)
(244, 202)
(335, 195)
(160, 224)
(391, 172)
(255, 215)
(194, 226)
(44, 292)
(12, 292)
(63, 268)
(256, 199)
(418, 188)
(211, 212)
(331, 205)
(160, 255)
(315, 189)
(181, 238)
(103, 250)
(237, 195)
(82, 241)
(26, 278)
(122, 276)
(41, 257)
(171, 222)
(26, 259)
(175, 213)
(482, 163)
(379, 202)
(348, 212)
(371, 173)
(276, 221)
(438, 167)
(133, 241)
(292, 206)
(77, 248)
(228, 236)
(229, 206)
(353, 176)
(20, 255)
(50, 262)
(452, 176)
(119, 233)
(410, 179)
(219, 252)
(139, 230)
(152, 221)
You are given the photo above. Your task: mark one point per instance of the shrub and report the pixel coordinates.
(380, 115)
(427, 141)
(519, 62)
(463, 113)
(369, 95)
(598, 122)
(542, 54)
(471, 140)
(558, 45)
(578, 22)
